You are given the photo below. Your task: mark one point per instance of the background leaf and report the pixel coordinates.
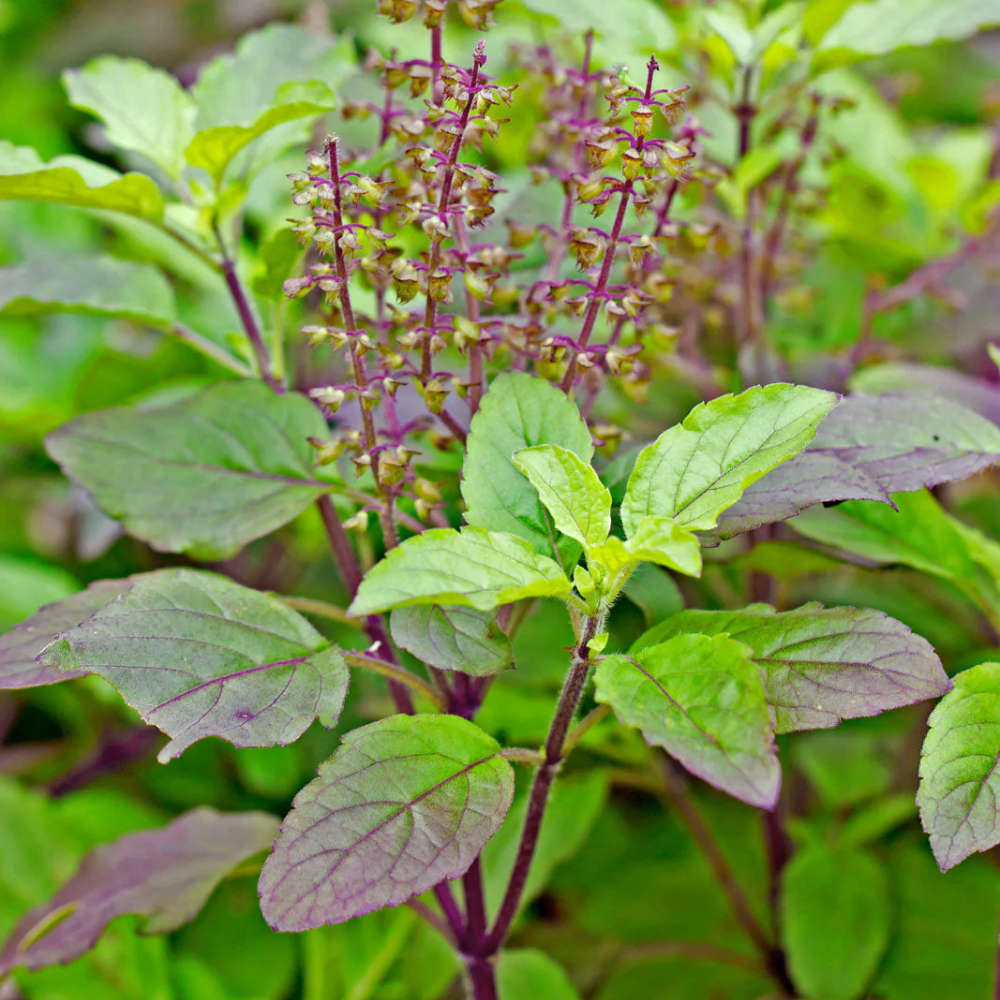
(471, 567)
(822, 665)
(700, 698)
(453, 638)
(198, 655)
(91, 285)
(960, 768)
(404, 803)
(144, 109)
(518, 412)
(72, 180)
(164, 875)
(835, 917)
(205, 475)
(527, 974)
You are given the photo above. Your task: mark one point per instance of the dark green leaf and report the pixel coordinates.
(526, 974)
(835, 916)
(205, 475)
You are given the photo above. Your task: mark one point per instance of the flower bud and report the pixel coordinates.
(434, 396)
(439, 284)
(642, 116)
(329, 396)
(631, 163)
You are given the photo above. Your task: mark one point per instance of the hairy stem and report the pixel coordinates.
(569, 701)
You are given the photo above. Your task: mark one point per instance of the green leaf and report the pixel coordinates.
(143, 109)
(960, 768)
(646, 25)
(871, 29)
(403, 804)
(239, 88)
(213, 149)
(835, 915)
(453, 638)
(701, 466)
(28, 584)
(918, 534)
(527, 974)
(700, 698)
(663, 541)
(72, 180)
(92, 285)
(197, 655)
(579, 503)
(205, 475)
(519, 411)
(654, 593)
(822, 665)
(471, 567)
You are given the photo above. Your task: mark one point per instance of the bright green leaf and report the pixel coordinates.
(701, 466)
(214, 149)
(579, 503)
(453, 638)
(663, 541)
(205, 475)
(92, 285)
(835, 914)
(960, 768)
(700, 698)
(526, 974)
(72, 180)
(519, 411)
(472, 567)
(198, 655)
(143, 108)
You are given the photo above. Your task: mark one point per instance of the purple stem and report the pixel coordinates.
(249, 322)
(569, 700)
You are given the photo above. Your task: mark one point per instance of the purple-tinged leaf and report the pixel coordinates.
(701, 698)
(163, 875)
(20, 646)
(403, 804)
(868, 448)
(198, 655)
(823, 665)
(807, 479)
(906, 376)
(453, 638)
(959, 794)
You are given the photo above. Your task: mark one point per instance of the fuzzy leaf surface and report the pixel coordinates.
(198, 655)
(453, 638)
(823, 665)
(520, 411)
(164, 876)
(578, 501)
(960, 768)
(144, 109)
(835, 918)
(72, 180)
(474, 568)
(91, 285)
(701, 466)
(205, 475)
(404, 803)
(25, 641)
(700, 698)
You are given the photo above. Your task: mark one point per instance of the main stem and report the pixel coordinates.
(569, 701)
